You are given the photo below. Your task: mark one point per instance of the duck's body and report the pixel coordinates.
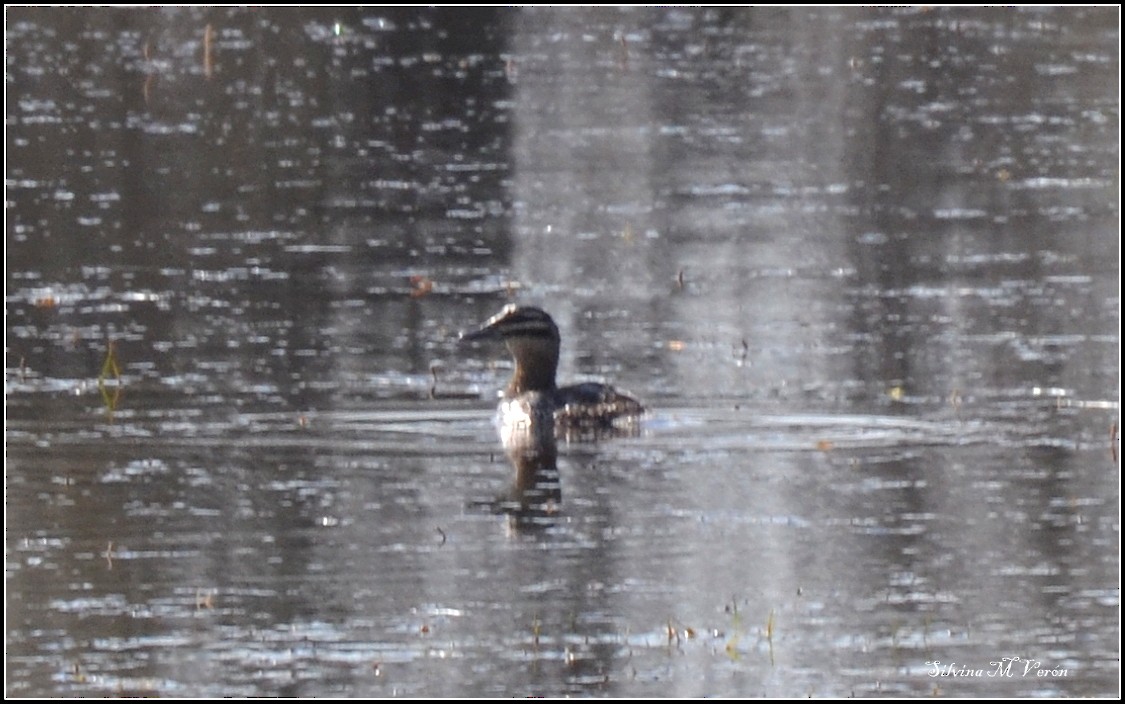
(532, 396)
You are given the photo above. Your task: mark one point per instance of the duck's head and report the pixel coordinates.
(533, 339)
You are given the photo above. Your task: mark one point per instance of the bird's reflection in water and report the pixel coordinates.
(534, 496)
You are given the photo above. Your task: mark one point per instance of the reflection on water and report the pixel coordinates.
(862, 265)
(535, 494)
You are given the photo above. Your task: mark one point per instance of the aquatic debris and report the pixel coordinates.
(731, 648)
(208, 46)
(420, 286)
(769, 636)
(146, 52)
(442, 533)
(824, 445)
(435, 394)
(110, 368)
(1113, 440)
(955, 399)
(737, 631)
(204, 600)
(678, 631)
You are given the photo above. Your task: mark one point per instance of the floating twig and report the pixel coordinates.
(1113, 441)
(208, 45)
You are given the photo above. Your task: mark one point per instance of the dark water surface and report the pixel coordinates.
(862, 265)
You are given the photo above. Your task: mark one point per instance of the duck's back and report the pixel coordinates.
(594, 405)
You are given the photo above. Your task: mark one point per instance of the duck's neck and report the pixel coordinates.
(536, 363)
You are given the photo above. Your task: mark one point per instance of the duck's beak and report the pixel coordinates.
(488, 330)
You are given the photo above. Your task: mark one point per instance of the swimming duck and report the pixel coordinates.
(532, 397)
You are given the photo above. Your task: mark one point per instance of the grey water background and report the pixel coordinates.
(862, 265)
